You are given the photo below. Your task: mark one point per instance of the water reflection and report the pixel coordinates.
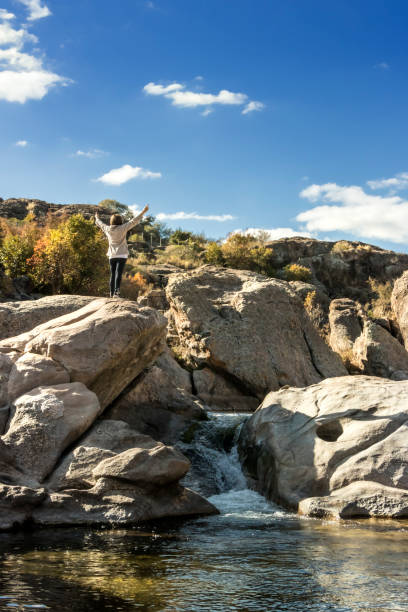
(280, 563)
(253, 557)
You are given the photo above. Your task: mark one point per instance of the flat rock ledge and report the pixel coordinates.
(338, 448)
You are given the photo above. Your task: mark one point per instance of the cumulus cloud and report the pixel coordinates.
(207, 112)
(21, 143)
(23, 86)
(5, 15)
(119, 176)
(91, 154)
(272, 234)
(36, 9)
(350, 209)
(178, 216)
(13, 36)
(23, 75)
(397, 182)
(184, 98)
(253, 106)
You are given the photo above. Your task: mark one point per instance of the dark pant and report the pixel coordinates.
(117, 265)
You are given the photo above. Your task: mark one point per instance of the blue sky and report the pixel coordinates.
(286, 115)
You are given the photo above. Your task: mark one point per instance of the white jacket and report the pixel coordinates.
(116, 235)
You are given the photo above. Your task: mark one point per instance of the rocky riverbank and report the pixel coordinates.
(96, 394)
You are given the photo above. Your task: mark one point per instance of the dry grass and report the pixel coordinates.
(344, 246)
(135, 285)
(182, 256)
(296, 272)
(380, 299)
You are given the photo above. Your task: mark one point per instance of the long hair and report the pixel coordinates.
(116, 220)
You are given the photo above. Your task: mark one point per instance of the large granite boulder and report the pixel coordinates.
(104, 345)
(44, 422)
(365, 346)
(119, 502)
(59, 465)
(159, 403)
(19, 317)
(337, 448)
(252, 328)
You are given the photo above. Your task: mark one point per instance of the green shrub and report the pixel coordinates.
(213, 254)
(247, 253)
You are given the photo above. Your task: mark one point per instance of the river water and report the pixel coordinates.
(254, 556)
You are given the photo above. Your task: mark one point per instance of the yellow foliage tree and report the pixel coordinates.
(70, 258)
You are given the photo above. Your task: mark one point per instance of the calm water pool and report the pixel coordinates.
(253, 557)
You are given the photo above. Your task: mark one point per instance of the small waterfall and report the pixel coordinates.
(215, 466)
(216, 472)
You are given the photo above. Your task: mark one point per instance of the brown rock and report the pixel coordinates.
(219, 394)
(104, 345)
(251, 327)
(19, 317)
(160, 403)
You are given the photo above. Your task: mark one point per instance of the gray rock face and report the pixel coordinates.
(399, 304)
(104, 345)
(346, 324)
(215, 391)
(364, 345)
(253, 328)
(17, 504)
(338, 448)
(58, 467)
(160, 404)
(343, 267)
(117, 475)
(44, 422)
(19, 317)
(30, 371)
(106, 439)
(116, 502)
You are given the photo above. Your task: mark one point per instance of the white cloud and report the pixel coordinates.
(13, 36)
(398, 182)
(253, 106)
(23, 75)
(352, 210)
(13, 58)
(36, 9)
(184, 98)
(91, 154)
(207, 112)
(158, 90)
(272, 234)
(118, 176)
(21, 143)
(5, 15)
(23, 86)
(178, 216)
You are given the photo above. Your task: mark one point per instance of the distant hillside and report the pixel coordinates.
(19, 208)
